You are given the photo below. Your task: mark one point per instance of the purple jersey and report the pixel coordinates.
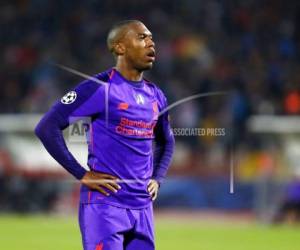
(121, 135)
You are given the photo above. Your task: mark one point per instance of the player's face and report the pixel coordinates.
(139, 47)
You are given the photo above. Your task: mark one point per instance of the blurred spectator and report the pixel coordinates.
(203, 46)
(248, 48)
(290, 209)
(292, 103)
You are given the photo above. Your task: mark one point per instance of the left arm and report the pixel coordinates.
(164, 148)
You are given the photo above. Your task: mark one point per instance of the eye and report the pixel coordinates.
(142, 36)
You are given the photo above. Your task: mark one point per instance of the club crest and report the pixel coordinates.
(139, 99)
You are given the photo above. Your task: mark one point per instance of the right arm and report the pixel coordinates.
(89, 101)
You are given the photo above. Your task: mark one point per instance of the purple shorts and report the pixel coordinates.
(106, 227)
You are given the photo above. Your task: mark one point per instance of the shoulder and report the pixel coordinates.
(157, 91)
(91, 85)
(105, 75)
(154, 87)
(94, 85)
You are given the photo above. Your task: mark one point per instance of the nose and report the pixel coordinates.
(151, 43)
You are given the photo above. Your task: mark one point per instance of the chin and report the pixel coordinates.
(148, 66)
(144, 66)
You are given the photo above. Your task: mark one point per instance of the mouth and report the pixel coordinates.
(151, 55)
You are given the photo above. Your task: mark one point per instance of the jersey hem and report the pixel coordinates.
(117, 204)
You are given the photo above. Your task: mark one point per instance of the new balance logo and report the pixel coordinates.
(123, 105)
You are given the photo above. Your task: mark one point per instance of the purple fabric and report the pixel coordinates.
(115, 228)
(123, 144)
(49, 129)
(164, 146)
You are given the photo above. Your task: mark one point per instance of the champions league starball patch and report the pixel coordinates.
(69, 98)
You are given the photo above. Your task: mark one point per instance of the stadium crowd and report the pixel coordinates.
(250, 49)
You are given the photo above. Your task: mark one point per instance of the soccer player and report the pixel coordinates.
(126, 171)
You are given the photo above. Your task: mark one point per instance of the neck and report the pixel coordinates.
(128, 72)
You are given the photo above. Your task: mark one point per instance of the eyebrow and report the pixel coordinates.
(145, 34)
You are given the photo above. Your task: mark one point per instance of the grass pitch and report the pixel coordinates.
(52, 233)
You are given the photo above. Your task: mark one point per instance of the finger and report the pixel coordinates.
(111, 188)
(154, 196)
(152, 192)
(151, 188)
(108, 176)
(101, 190)
(98, 175)
(114, 184)
(151, 185)
(106, 182)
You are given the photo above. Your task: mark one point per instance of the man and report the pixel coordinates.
(117, 193)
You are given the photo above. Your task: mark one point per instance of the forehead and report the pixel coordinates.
(135, 29)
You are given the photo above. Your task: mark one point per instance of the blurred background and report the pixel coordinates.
(248, 48)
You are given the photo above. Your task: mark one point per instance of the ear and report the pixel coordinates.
(119, 48)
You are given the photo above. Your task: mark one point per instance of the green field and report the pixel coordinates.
(61, 233)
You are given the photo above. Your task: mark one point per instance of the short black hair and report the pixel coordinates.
(117, 32)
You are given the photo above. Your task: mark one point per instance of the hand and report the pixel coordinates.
(153, 187)
(100, 181)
